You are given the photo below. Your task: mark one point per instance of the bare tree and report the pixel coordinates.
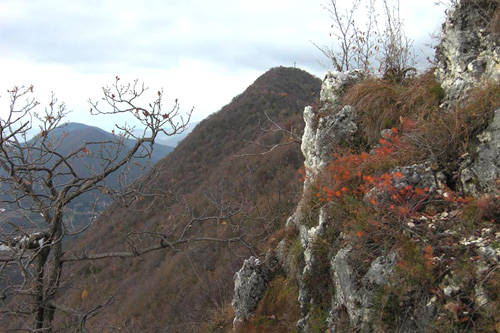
(291, 135)
(39, 182)
(360, 43)
(354, 41)
(396, 55)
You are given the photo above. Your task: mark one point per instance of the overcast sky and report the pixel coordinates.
(201, 52)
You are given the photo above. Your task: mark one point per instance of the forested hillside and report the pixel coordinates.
(224, 181)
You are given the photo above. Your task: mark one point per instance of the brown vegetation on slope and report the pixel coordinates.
(178, 290)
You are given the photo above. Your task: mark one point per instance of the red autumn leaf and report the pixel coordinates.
(360, 234)
(398, 175)
(428, 256)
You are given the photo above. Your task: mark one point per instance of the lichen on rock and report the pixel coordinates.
(468, 54)
(331, 124)
(356, 297)
(335, 84)
(250, 284)
(482, 173)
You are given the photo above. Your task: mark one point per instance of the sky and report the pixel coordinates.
(201, 52)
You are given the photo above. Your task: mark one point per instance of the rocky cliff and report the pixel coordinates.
(385, 239)
(467, 57)
(469, 51)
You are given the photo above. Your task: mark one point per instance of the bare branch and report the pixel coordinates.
(275, 128)
(362, 44)
(164, 244)
(40, 181)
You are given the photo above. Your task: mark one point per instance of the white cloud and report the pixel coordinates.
(202, 52)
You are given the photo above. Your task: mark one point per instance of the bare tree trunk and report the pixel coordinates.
(55, 274)
(39, 288)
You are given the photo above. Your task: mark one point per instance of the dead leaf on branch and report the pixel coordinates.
(84, 294)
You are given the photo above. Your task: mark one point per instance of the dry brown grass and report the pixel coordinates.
(492, 12)
(277, 312)
(444, 135)
(220, 321)
(377, 102)
(436, 134)
(381, 104)
(287, 233)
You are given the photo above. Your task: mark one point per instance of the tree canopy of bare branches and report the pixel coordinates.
(39, 182)
(368, 35)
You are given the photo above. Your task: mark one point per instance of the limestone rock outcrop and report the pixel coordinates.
(250, 284)
(331, 124)
(468, 54)
(483, 172)
(467, 57)
(325, 128)
(356, 297)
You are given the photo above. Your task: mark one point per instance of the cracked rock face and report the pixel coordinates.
(250, 284)
(467, 57)
(483, 173)
(335, 83)
(416, 176)
(357, 297)
(346, 291)
(321, 135)
(354, 297)
(467, 54)
(331, 124)
(325, 129)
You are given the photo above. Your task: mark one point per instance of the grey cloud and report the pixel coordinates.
(94, 37)
(107, 34)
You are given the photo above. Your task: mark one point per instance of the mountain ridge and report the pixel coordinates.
(206, 172)
(68, 137)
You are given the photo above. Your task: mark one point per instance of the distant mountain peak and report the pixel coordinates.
(278, 76)
(72, 126)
